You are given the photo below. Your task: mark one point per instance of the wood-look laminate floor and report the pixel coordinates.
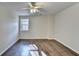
(50, 47)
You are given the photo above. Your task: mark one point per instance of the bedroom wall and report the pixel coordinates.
(67, 27)
(8, 28)
(39, 28)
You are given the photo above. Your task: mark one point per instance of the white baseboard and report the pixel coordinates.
(40, 38)
(32, 38)
(51, 38)
(8, 47)
(68, 46)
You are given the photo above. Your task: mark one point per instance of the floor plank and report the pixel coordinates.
(50, 47)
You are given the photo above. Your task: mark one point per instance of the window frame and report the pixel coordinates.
(23, 17)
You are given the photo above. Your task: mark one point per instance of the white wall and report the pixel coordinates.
(39, 28)
(51, 27)
(8, 28)
(67, 27)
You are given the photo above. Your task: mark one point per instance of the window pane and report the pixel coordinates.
(24, 23)
(24, 20)
(24, 27)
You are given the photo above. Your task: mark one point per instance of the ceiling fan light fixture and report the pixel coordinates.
(34, 10)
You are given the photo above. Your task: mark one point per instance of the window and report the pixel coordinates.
(24, 24)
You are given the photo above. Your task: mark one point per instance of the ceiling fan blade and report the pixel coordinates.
(30, 4)
(26, 8)
(33, 4)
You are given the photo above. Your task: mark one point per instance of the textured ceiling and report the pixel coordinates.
(48, 7)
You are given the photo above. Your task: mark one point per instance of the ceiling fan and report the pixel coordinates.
(34, 8)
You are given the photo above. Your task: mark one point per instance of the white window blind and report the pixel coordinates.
(24, 24)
